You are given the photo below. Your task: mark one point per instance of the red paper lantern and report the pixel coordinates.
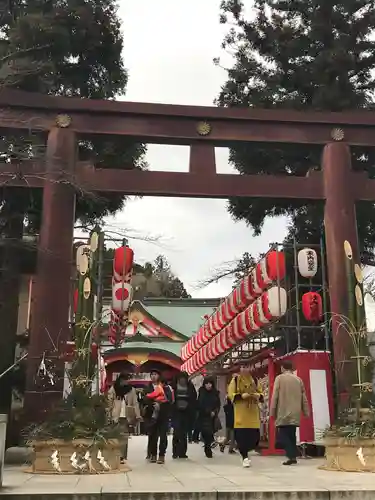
(239, 326)
(263, 318)
(255, 315)
(312, 306)
(231, 303)
(123, 263)
(274, 266)
(241, 301)
(219, 319)
(254, 326)
(246, 290)
(224, 311)
(229, 339)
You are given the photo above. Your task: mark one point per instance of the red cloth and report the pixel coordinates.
(158, 395)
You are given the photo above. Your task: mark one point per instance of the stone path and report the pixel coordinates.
(221, 478)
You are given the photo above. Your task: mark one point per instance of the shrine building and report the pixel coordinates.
(162, 327)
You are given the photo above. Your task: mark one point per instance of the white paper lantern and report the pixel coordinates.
(307, 262)
(121, 296)
(276, 302)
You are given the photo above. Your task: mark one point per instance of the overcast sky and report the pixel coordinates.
(169, 47)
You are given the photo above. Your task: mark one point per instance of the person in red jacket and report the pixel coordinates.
(157, 397)
(157, 403)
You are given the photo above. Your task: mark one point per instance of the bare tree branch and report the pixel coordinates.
(236, 269)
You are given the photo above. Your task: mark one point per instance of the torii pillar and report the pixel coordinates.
(340, 225)
(51, 297)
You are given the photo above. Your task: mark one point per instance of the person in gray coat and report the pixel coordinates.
(288, 402)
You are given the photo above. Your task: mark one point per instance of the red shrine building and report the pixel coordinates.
(163, 327)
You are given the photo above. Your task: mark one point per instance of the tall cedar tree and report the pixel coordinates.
(150, 280)
(69, 48)
(56, 47)
(304, 55)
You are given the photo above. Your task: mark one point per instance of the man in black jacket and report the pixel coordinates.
(184, 407)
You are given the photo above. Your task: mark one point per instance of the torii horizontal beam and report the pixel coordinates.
(171, 124)
(181, 184)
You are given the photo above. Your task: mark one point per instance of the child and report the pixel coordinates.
(229, 426)
(158, 396)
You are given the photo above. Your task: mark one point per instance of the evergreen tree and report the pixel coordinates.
(304, 55)
(55, 47)
(157, 280)
(68, 48)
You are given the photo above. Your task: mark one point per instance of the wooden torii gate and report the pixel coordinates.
(202, 128)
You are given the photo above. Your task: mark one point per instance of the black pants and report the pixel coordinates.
(247, 440)
(286, 436)
(158, 431)
(180, 434)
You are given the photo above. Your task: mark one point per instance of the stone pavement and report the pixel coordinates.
(221, 478)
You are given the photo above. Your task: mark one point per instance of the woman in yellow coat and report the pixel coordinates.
(246, 395)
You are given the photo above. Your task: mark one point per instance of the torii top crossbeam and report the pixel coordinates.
(202, 128)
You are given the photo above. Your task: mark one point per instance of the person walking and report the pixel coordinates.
(208, 410)
(157, 401)
(229, 427)
(185, 398)
(245, 394)
(288, 402)
(123, 408)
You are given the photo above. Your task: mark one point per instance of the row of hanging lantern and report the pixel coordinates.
(122, 293)
(249, 308)
(270, 269)
(268, 307)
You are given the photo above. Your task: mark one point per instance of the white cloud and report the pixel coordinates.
(169, 47)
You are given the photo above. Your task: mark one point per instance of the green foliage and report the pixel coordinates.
(68, 48)
(81, 414)
(153, 279)
(351, 428)
(243, 265)
(303, 55)
(158, 280)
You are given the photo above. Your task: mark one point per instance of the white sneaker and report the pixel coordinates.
(246, 463)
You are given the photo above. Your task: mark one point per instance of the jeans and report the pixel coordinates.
(123, 424)
(286, 436)
(158, 431)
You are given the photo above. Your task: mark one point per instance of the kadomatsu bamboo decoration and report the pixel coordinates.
(87, 266)
(357, 331)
